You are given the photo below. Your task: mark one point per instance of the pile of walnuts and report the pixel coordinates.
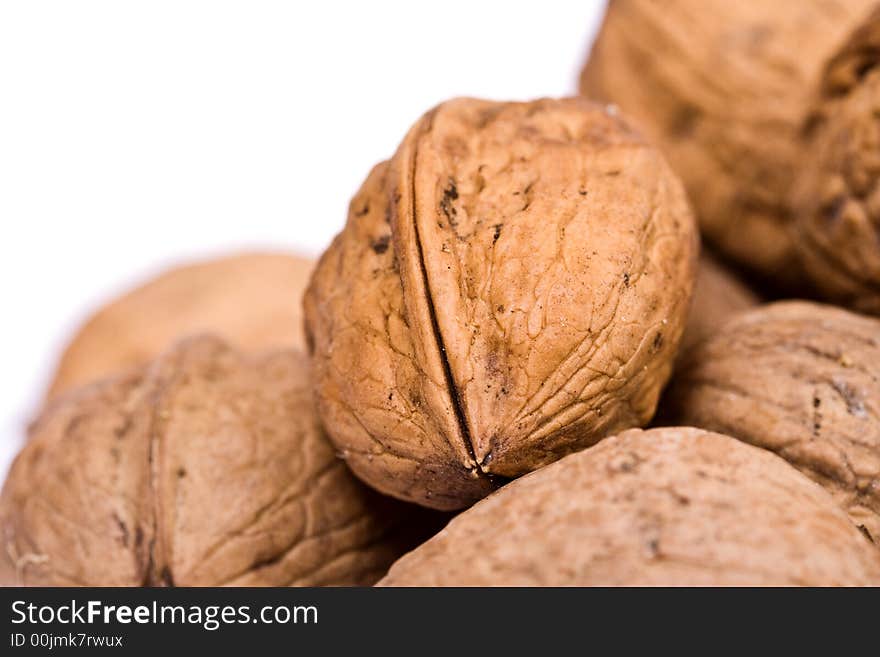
(516, 325)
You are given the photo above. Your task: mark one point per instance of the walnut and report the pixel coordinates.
(253, 300)
(510, 287)
(718, 296)
(838, 195)
(205, 468)
(675, 506)
(723, 87)
(802, 380)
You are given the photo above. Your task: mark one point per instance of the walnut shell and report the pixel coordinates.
(512, 286)
(802, 380)
(718, 296)
(723, 88)
(206, 468)
(674, 506)
(838, 195)
(252, 300)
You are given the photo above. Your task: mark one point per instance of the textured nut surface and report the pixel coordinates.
(723, 87)
(672, 506)
(718, 296)
(802, 380)
(252, 300)
(838, 194)
(511, 286)
(207, 468)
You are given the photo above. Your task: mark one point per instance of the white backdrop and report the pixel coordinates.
(134, 135)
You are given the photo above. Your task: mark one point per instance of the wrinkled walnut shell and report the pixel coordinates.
(718, 296)
(674, 506)
(207, 468)
(802, 380)
(252, 300)
(723, 88)
(838, 195)
(510, 287)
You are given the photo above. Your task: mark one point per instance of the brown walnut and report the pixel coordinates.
(673, 506)
(802, 380)
(510, 287)
(207, 468)
(252, 300)
(723, 87)
(838, 194)
(718, 296)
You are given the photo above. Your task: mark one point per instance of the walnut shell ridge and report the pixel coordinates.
(838, 195)
(206, 468)
(665, 507)
(723, 88)
(252, 300)
(510, 287)
(802, 380)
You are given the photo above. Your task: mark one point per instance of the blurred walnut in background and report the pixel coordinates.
(724, 87)
(838, 195)
(252, 300)
(718, 296)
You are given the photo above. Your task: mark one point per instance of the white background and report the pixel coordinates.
(134, 135)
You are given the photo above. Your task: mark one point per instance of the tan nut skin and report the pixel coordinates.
(838, 196)
(253, 300)
(723, 88)
(718, 296)
(207, 468)
(665, 507)
(799, 379)
(510, 287)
